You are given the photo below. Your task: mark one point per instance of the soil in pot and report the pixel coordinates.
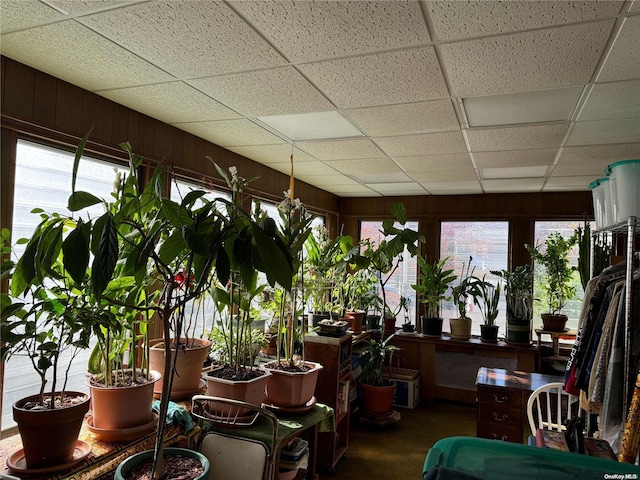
(244, 384)
(178, 464)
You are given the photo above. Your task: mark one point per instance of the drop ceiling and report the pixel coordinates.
(371, 97)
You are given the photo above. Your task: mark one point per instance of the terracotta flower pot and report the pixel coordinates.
(251, 391)
(357, 320)
(49, 436)
(289, 388)
(119, 408)
(377, 399)
(186, 381)
(554, 323)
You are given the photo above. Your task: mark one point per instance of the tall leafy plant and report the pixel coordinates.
(434, 281)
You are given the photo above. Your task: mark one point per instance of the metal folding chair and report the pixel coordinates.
(234, 456)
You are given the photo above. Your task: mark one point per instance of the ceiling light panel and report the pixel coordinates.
(516, 138)
(515, 158)
(426, 144)
(456, 20)
(312, 126)
(524, 185)
(407, 118)
(313, 30)
(410, 75)
(398, 189)
(183, 37)
(453, 188)
(518, 108)
(357, 190)
(514, 172)
(521, 62)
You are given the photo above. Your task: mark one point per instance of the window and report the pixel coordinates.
(572, 308)
(487, 244)
(43, 179)
(400, 282)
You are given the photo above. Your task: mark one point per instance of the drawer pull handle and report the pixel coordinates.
(503, 418)
(501, 399)
(501, 437)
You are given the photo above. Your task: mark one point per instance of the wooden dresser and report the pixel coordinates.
(502, 402)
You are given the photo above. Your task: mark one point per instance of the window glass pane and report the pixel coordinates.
(399, 284)
(43, 179)
(487, 244)
(572, 308)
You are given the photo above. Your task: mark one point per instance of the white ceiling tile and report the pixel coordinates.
(594, 170)
(524, 107)
(515, 158)
(23, 13)
(341, 149)
(453, 188)
(352, 191)
(514, 172)
(444, 176)
(313, 30)
(171, 102)
(516, 138)
(268, 154)
(230, 133)
(549, 58)
(382, 165)
(369, 178)
(625, 130)
(77, 55)
(305, 169)
(187, 39)
(426, 144)
(419, 163)
(409, 75)
(328, 180)
(612, 100)
(623, 62)
(580, 182)
(602, 154)
(407, 118)
(76, 7)
(276, 91)
(506, 185)
(456, 20)
(409, 188)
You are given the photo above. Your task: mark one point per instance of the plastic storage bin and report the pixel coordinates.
(496, 460)
(624, 181)
(602, 210)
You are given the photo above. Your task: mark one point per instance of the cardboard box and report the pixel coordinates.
(407, 386)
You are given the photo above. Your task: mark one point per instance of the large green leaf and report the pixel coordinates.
(75, 249)
(76, 160)
(25, 270)
(105, 260)
(399, 212)
(79, 200)
(194, 241)
(49, 246)
(98, 228)
(274, 260)
(223, 266)
(171, 247)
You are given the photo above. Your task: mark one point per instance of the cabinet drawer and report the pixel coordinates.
(500, 396)
(499, 415)
(499, 432)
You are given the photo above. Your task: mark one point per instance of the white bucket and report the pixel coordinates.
(601, 202)
(624, 181)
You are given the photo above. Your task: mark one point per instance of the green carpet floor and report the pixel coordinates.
(398, 453)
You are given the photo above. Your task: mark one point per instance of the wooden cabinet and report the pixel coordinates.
(502, 402)
(332, 389)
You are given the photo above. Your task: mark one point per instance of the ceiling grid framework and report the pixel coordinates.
(373, 98)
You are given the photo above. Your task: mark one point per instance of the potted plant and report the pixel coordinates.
(385, 256)
(487, 300)
(557, 278)
(360, 287)
(518, 288)
(467, 287)
(377, 392)
(45, 315)
(600, 256)
(432, 289)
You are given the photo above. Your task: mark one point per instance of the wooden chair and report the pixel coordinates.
(232, 455)
(549, 406)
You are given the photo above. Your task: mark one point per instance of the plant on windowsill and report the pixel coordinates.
(466, 289)
(487, 300)
(518, 289)
(557, 279)
(432, 289)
